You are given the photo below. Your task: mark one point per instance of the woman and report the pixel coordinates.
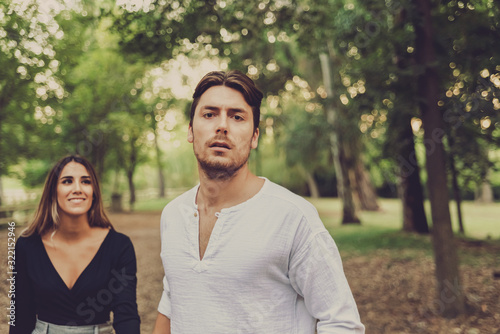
(72, 267)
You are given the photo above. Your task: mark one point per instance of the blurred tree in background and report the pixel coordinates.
(361, 96)
(27, 64)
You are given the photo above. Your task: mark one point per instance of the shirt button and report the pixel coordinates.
(196, 214)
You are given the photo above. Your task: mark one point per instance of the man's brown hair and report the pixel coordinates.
(235, 80)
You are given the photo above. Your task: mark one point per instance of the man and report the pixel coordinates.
(242, 254)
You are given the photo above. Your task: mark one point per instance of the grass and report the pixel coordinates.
(381, 230)
(153, 204)
(481, 221)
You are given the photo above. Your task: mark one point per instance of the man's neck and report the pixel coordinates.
(220, 194)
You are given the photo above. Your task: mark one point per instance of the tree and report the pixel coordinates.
(401, 142)
(255, 41)
(300, 135)
(342, 156)
(445, 253)
(27, 64)
(470, 65)
(103, 116)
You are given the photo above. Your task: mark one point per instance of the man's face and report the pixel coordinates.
(222, 133)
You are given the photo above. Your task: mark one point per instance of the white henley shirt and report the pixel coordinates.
(270, 267)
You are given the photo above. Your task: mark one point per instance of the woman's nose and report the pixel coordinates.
(77, 187)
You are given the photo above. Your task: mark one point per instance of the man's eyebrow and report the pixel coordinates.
(211, 108)
(70, 177)
(214, 108)
(237, 110)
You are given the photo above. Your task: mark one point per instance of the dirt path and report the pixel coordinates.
(144, 231)
(393, 295)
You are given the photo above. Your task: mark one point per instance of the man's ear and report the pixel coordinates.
(190, 135)
(255, 139)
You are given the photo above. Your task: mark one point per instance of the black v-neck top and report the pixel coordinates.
(107, 284)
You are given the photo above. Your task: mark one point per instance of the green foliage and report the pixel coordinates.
(26, 64)
(35, 173)
(80, 82)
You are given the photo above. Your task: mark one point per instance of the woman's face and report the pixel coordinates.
(74, 191)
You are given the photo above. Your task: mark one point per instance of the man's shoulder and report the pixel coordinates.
(279, 194)
(185, 198)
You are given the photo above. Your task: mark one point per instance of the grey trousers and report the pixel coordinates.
(43, 327)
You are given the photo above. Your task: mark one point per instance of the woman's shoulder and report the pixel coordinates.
(118, 238)
(119, 247)
(28, 244)
(118, 235)
(28, 240)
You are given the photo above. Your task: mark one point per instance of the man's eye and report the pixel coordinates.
(208, 115)
(238, 118)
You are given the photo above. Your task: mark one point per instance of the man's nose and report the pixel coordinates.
(222, 125)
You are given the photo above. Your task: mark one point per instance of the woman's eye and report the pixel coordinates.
(87, 182)
(66, 181)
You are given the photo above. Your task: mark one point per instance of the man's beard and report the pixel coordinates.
(220, 171)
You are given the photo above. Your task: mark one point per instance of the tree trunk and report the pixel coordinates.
(449, 292)
(161, 177)
(349, 215)
(131, 187)
(116, 196)
(1, 191)
(484, 193)
(97, 150)
(130, 173)
(116, 182)
(458, 198)
(116, 202)
(412, 194)
(456, 188)
(312, 184)
(364, 188)
(414, 218)
(410, 187)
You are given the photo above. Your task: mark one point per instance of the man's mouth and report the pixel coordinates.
(220, 144)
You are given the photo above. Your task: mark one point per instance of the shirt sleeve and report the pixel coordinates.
(22, 303)
(124, 283)
(317, 275)
(165, 307)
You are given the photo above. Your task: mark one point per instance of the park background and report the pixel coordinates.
(385, 115)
